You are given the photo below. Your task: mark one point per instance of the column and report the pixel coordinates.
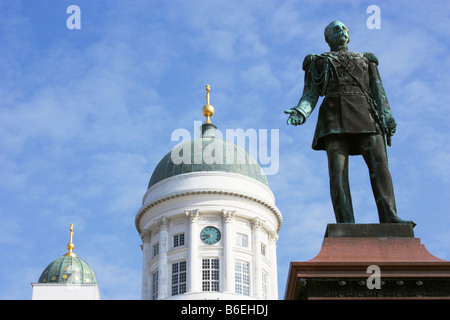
(193, 264)
(228, 243)
(146, 256)
(257, 267)
(163, 277)
(273, 286)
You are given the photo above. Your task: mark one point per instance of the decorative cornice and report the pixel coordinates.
(141, 211)
(206, 173)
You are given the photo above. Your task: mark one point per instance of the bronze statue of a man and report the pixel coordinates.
(354, 119)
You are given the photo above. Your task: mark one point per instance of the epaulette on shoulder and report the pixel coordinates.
(307, 61)
(371, 57)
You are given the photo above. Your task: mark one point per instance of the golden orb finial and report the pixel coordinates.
(208, 110)
(70, 245)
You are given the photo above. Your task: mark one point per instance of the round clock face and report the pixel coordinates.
(210, 235)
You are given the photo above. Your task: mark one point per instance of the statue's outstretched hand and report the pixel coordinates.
(295, 118)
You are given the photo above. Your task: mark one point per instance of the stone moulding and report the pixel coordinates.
(144, 209)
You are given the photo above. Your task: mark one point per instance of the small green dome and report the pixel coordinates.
(68, 269)
(207, 153)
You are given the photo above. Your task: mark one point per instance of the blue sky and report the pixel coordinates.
(85, 116)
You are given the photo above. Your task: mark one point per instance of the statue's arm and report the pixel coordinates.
(309, 97)
(379, 94)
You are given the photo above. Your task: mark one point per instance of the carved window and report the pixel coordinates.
(155, 249)
(178, 240)
(263, 249)
(242, 278)
(241, 240)
(178, 278)
(264, 285)
(210, 274)
(155, 285)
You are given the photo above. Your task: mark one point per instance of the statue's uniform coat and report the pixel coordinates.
(348, 81)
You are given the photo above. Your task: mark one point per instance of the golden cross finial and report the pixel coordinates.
(70, 245)
(208, 88)
(208, 110)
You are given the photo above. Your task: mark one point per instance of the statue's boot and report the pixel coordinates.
(387, 212)
(396, 219)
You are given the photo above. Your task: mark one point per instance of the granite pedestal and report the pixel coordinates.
(370, 261)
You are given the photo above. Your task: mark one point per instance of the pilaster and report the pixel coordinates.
(193, 268)
(228, 236)
(163, 276)
(146, 253)
(256, 224)
(273, 237)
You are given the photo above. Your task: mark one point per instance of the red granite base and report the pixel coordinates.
(340, 270)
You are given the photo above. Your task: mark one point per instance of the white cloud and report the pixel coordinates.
(260, 76)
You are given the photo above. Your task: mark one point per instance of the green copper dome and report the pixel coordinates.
(207, 153)
(68, 269)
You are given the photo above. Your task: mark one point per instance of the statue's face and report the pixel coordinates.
(337, 34)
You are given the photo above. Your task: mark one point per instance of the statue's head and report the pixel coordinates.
(336, 34)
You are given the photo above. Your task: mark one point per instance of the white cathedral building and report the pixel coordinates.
(208, 223)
